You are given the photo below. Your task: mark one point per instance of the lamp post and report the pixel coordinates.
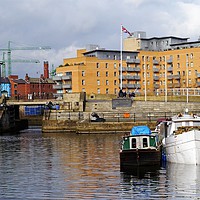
(187, 78)
(1, 63)
(145, 80)
(165, 79)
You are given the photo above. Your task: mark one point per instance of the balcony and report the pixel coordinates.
(133, 86)
(67, 86)
(156, 86)
(57, 87)
(155, 70)
(155, 62)
(66, 77)
(177, 76)
(57, 78)
(169, 61)
(123, 69)
(136, 77)
(156, 78)
(133, 69)
(133, 60)
(170, 69)
(198, 84)
(198, 75)
(57, 95)
(170, 77)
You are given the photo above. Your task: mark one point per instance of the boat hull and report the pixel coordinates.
(139, 157)
(183, 148)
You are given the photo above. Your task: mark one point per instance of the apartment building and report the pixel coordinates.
(150, 66)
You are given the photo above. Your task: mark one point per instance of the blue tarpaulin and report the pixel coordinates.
(140, 130)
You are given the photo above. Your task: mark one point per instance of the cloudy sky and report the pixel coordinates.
(68, 25)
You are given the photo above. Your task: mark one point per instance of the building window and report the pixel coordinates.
(15, 92)
(107, 82)
(83, 89)
(191, 64)
(83, 82)
(106, 73)
(178, 65)
(191, 55)
(98, 91)
(98, 82)
(15, 85)
(97, 65)
(187, 56)
(98, 73)
(83, 73)
(115, 90)
(189, 73)
(107, 91)
(178, 57)
(115, 82)
(115, 73)
(115, 57)
(106, 65)
(115, 65)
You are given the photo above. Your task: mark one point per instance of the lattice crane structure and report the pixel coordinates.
(9, 60)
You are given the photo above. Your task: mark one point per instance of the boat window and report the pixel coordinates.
(153, 141)
(134, 143)
(196, 124)
(145, 144)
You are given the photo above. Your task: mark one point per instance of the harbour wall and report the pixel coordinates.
(118, 118)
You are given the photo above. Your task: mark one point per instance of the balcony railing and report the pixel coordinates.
(57, 78)
(170, 77)
(177, 76)
(66, 77)
(133, 60)
(136, 77)
(156, 86)
(156, 78)
(170, 69)
(155, 62)
(67, 86)
(198, 75)
(57, 87)
(170, 60)
(155, 69)
(133, 86)
(133, 69)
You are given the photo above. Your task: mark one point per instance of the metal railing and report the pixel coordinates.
(110, 116)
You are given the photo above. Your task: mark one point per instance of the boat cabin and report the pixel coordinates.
(178, 124)
(139, 142)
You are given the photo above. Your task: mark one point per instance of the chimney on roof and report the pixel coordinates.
(46, 69)
(26, 77)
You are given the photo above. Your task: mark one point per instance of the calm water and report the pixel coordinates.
(68, 166)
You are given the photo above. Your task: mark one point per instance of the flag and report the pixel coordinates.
(126, 31)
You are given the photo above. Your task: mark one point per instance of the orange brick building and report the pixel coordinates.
(153, 66)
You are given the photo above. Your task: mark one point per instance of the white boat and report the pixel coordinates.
(181, 142)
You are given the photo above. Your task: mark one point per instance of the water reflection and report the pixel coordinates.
(184, 180)
(69, 166)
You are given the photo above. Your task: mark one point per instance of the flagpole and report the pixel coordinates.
(121, 60)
